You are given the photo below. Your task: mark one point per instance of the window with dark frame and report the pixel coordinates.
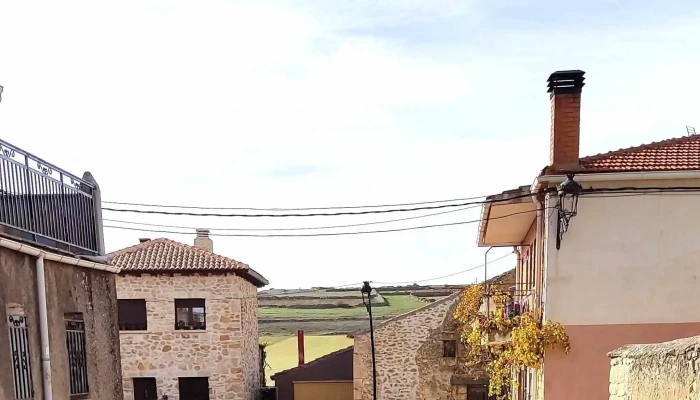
(190, 314)
(21, 367)
(132, 315)
(77, 359)
(478, 392)
(449, 348)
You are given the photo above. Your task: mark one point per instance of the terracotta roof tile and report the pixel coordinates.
(165, 255)
(677, 154)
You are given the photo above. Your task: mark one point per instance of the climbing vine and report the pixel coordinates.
(529, 338)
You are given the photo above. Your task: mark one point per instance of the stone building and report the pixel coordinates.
(419, 356)
(58, 298)
(188, 322)
(668, 370)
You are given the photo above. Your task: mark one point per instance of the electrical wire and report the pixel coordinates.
(324, 234)
(318, 214)
(295, 229)
(443, 276)
(291, 209)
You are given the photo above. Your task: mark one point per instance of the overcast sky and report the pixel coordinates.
(325, 103)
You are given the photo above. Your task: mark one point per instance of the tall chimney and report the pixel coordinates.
(202, 241)
(564, 90)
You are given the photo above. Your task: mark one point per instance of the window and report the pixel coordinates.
(145, 389)
(132, 315)
(190, 314)
(77, 363)
(449, 348)
(193, 388)
(21, 367)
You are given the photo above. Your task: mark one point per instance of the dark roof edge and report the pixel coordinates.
(316, 361)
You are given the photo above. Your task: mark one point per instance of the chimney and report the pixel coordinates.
(564, 90)
(143, 240)
(202, 241)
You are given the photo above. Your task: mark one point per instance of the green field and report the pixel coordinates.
(283, 354)
(398, 304)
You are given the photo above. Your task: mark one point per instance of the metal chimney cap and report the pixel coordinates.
(202, 232)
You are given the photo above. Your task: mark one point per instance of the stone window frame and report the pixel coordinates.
(138, 314)
(449, 350)
(190, 305)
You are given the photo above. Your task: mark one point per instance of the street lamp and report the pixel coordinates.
(367, 290)
(1, 89)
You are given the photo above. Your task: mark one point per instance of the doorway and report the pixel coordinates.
(193, 388)
(145, 389)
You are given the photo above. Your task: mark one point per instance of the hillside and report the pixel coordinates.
(328, 311)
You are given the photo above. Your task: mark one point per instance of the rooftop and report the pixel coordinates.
(168, 256)
(677, 154)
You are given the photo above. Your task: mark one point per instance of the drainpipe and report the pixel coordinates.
(43, 327)
(539, 247)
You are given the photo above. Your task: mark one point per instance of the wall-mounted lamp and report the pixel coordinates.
(568, 192)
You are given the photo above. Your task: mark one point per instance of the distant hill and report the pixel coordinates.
(330, 311)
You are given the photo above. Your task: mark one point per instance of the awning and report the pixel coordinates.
(506, 218)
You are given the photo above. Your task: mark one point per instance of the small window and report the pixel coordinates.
(21, 367)
(77, 360)
(190, 314)
(193, 388)
(132, 315)
(478, 392)
(449, 348)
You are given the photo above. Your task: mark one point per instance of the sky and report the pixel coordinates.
(334, 103)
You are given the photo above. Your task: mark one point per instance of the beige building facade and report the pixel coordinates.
(419, 356)
(188, 322)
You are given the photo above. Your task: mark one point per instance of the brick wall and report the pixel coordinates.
(669, 370)
(226, 352)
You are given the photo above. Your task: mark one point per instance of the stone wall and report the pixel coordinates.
(222, 352)
(669, 370)
(410, 362)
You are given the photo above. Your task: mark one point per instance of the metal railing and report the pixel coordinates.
(45, 204)
(21, 364)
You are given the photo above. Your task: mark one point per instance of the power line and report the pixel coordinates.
(324, 234)
(317, 214)
(291, 209)
(295, 229)
(444, 276)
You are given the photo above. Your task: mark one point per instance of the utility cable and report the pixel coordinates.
(294, 229)
(443, 276)
(291, 209)
(324, 234)
(318, 214)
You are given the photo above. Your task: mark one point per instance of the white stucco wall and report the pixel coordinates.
(626, 259)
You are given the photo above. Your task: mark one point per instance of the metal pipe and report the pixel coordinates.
(43, 327)
(374, 361)
(486, 279)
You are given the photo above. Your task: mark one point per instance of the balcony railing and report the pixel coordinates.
(47, 205)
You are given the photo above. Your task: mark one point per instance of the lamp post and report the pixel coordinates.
(1, 89)
(367, 290)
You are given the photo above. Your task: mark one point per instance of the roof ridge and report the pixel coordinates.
(137, 247)
(314, 361)
(645, 146)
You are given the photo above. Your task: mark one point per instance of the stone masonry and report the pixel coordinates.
(410, 362)
(226, 352)
(669, 370)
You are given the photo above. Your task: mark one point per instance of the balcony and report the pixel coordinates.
(44, 204)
